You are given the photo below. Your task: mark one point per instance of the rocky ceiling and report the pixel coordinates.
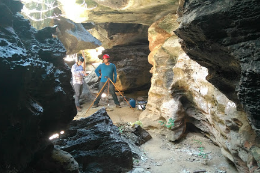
(143, 12)
(112, 22)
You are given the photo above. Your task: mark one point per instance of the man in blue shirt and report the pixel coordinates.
(77, 76)
(108, 70)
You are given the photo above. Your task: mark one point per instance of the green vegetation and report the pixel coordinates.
(169, 124)
(135, 161)
(121, 129)
(137, 123)
(201, 150)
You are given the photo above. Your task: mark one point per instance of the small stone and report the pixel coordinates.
(158, 164)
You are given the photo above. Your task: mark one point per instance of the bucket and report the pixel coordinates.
(132, 102)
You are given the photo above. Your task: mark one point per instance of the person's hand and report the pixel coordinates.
(86, 74)
(100, 76)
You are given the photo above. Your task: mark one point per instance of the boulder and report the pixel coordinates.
(96, 144)
(134, 135)
(74, 36)
(142, 134)
(92, 80)
(86, 93)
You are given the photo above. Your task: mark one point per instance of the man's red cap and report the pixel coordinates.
(106, 56)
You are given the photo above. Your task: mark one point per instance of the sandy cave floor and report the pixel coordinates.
(193, 154)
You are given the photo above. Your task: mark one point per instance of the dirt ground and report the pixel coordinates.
(193, 154)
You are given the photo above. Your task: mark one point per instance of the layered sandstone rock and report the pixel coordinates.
(114, 34)
(129, 11)
(163, 62)
(180, 92)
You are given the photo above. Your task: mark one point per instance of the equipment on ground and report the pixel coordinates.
(132, 102)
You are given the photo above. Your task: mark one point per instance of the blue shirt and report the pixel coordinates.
(107, 70)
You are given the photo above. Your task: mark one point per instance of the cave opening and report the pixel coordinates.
(190, 127)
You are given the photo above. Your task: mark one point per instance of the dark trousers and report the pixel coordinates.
(111, 91)
(78, 91)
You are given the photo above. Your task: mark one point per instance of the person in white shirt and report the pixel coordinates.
(77, 76)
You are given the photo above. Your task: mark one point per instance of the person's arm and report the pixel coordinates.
(84, 64)
(115, 74)
(97, 70)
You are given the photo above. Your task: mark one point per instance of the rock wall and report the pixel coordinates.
(182, 89)
(223, 37)
(36, 96)
(128, 47)
(162, 40)
(132, 66)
